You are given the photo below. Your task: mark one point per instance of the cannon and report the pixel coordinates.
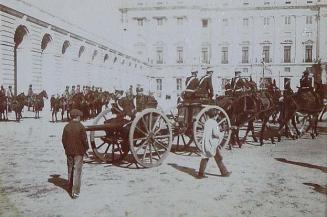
(149, 134)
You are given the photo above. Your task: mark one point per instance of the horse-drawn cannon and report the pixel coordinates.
(148, 134)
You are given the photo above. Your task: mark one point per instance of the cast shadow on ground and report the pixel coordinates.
(189, 171)
(312, 166)
(317, 188)
(60, 182)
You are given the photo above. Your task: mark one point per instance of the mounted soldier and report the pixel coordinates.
(191, 83)
(72, 92)
(30, 97)
(205, 89)
(78, 89)
(305, 82)
(66, 93)
(9, 95)
(237, 84)
(2, 91)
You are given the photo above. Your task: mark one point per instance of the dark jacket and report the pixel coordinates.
(74, 139)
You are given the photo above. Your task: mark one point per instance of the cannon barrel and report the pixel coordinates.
(100, 127)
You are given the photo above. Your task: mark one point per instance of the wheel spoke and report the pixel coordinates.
(144, 153)
(162, 145)
(150, 122)
(155, 123)
(221, 121)
(162, 136)
(145, 125)
(145, 134)
(100, 145)
(143, 138)
(142, 146)
(154, 147)
(107, 149)
(150, 150)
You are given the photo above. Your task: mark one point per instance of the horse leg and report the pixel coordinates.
(295, 127)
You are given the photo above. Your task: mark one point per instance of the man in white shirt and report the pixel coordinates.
(210, 145)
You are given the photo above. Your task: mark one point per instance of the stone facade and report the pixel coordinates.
(175, 36)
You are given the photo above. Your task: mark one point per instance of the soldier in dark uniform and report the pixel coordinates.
(206, 83)
(237, 84)
(29, 96)
(305, 83)
(228, 89)
(191, 83)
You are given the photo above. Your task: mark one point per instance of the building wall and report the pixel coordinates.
(232, 24)
(51, 68)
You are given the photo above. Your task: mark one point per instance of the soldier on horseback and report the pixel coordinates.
(237, 84)
(30, 97)
(305, 83)
(72, 92)
(191, 83)
(206, 82)
(66, 93)
(9, 95)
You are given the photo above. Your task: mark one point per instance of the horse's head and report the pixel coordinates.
(44, 94)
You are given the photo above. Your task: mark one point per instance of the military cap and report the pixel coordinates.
(306, 72)
(76, 113)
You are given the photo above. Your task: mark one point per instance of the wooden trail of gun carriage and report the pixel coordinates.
(136, 125)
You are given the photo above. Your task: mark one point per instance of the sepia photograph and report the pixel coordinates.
(168, 108)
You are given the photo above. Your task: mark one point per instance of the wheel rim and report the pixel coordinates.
(223, 123)
(107, 146)
(150, 138)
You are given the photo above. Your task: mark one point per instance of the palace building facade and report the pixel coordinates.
(264, 39)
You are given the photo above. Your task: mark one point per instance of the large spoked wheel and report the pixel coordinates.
(150, 138)
(107, 145)
(223, 123)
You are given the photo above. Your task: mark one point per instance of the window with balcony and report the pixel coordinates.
(308, 20)
(308, 53)
(205, 55)
(159, 57)
(159, 84)
(180, 55)
(224, 55)
(287, 54)
(245, 54)
(265, 52)
(205, 23)
(287, 20)
(178, 84)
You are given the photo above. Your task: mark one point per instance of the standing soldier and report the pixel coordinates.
(9, 97)
(29, 96)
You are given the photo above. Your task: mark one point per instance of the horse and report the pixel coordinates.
(309, 103)
(39, 102)
(18, 103)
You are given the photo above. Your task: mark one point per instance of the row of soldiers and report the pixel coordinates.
(85, 90)
(9, 94)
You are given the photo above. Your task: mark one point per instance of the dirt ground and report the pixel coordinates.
(284, 179)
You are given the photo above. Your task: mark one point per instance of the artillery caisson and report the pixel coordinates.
(147, 136)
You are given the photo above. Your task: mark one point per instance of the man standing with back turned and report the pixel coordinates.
(75, 143)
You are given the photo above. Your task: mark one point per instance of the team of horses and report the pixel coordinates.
(17, 104)
(91, 104)
(270, 104)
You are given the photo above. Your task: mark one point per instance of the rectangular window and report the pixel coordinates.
(160, 21)
(205, 55)
(180, 20)
(178, 84)
(308, 53)
(287, 54)
(205, 23)
(265, 52)
(159, 84)
(159, 55)
(308, 20)
(245, 21)
(245, 54)
(224, 55)
(266, 21)
(287, 69)
(225, 22)
(288, 20)
(288, 2)
(266, 3)
(140, 22)
(180, 55)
